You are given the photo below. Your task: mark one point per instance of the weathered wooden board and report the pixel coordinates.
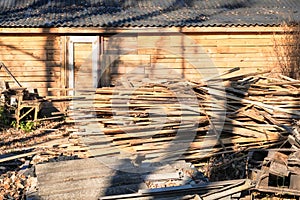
(91, 178)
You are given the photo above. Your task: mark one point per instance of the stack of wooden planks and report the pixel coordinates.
(249, 111)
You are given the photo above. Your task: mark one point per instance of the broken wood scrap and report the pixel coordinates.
(240, 77)
(159, 146)
(224, 73)
(200, 154)
(296, 82)
(155, 125)
(13, 157)
(210, 142)
(177, 191)
(147, 122)
(148, 117)
(229, 190)
(269, 165)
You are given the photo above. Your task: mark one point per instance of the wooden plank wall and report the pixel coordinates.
(139, 57)
(35, 60)
(83, 64)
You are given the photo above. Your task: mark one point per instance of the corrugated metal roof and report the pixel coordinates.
(147, 13)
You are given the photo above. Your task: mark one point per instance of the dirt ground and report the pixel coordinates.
(51, 141)
(20, 151)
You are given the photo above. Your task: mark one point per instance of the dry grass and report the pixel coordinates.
(287, 50)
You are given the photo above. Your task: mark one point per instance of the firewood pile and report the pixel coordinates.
(145, 118)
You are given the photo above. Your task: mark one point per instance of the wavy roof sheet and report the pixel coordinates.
(147, 13)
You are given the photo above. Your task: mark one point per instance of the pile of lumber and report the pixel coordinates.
(250, 111)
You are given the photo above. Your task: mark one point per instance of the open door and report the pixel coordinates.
(83, 62)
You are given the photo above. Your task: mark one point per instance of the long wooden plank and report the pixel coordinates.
(222, 36)
(9, 158)
(221, 49)
(174, 40)
(38, 73)
(31, 42)
(17, 64)
(32, 52)
(29, 47)
(49, 57)
(34, 78)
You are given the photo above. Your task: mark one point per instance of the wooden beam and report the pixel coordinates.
(99, 30)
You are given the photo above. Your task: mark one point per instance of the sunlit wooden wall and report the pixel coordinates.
(34, 60)
(191, 56)
(39, 60)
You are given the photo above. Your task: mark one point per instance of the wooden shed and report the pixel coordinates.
(46, 43)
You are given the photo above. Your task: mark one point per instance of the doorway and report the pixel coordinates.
(83, 62)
